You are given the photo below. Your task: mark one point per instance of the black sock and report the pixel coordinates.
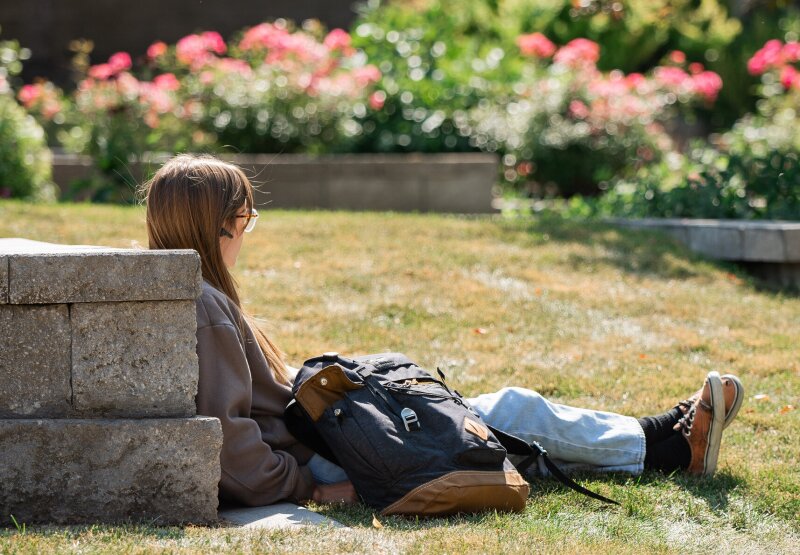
(668, 455)
(658, 428)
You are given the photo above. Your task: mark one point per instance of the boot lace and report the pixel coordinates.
(687, 420)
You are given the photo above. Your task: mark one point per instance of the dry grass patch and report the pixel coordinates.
(586, 314)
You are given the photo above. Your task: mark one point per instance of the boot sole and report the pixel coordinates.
(737, 399)
(717, 423)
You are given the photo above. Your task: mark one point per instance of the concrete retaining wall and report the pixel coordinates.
(99, 374)
(450, 182)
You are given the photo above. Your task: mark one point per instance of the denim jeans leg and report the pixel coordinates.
(325, 472)
(575, 438)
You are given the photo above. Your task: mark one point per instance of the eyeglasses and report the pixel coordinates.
(251, 220)
(249, 225)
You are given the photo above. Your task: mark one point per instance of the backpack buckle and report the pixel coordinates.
(410, 420)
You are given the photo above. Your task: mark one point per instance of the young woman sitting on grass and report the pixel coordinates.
(205, 204)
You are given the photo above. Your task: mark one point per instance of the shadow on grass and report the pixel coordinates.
(642, 252)
(552, 497)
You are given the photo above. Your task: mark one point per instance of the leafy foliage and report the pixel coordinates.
(24, 157)
(752, 171)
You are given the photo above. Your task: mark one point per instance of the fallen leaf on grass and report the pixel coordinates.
(786, 408)
(761, 397)
(376, 523)
(480, 331)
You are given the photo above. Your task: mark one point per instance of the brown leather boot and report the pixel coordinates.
(733, 392)
(702, 426)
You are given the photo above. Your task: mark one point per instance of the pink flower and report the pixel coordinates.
(119, 62)
(151, 119)
(167, 82)
(156, 50)
(635, 80)
(789, 77)
(29, 95)
(337, 39)
(769, 57)
(677, 57)
(232, 65)
(127, 84)
(791, 52)
(756, 65)
(707, 84)
(195, 50)
(578, 52)
(578, 109)
(214, 42)
(695, 68)
(50, 108)
(101, 71)
(156, 99)
(670, 76)
(536, 45)
(366, 75)
(377, 99)
(265, 35)
(206, 77)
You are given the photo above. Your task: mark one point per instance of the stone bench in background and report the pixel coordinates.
(768, 249)
(98, 374)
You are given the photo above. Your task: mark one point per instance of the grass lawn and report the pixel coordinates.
(586, 314)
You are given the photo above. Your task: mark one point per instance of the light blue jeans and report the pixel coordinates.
(576, 439)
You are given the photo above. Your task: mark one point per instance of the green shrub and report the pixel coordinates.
(751, 171)
(25, 160)
(467, 80)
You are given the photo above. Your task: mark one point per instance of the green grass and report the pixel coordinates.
(587, 314)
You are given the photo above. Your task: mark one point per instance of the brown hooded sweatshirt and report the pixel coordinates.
(261, 462)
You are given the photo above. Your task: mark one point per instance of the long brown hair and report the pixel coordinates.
(189, 200)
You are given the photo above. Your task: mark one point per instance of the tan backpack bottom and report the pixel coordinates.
(467, 491)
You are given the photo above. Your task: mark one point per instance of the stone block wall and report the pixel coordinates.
(98, 374)
(453, 182)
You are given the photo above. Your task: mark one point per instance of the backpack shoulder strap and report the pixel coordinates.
(533, 451)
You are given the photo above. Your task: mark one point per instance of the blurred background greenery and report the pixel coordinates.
(624, 107)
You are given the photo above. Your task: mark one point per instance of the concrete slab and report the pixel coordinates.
(162, 470)
(791, 239)
(277, 516)
(3, 279)
(17, 245)
(764, 245)
(48, 273)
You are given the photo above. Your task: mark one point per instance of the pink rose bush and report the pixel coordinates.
(43, 98)
(536, 45)
(751, 171)
(779, 59)
(273, 88)
(568, 116)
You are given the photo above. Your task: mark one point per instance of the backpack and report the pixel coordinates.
(409, 444)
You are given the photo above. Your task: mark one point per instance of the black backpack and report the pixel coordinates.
(409, 444)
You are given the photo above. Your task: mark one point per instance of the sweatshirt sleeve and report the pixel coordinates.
(252, 472)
